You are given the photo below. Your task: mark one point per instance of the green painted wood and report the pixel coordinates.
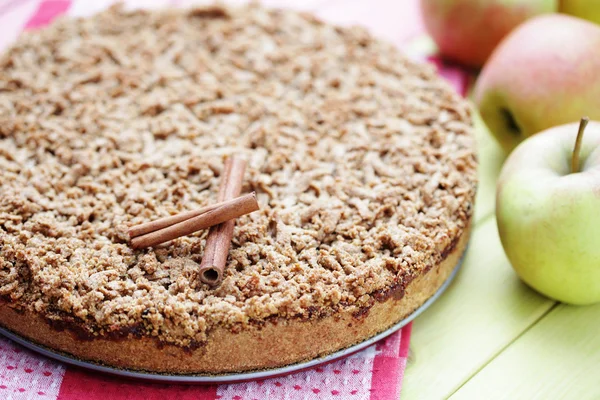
(482, 312)
(491, 337)
(490, 157)
(558, 358)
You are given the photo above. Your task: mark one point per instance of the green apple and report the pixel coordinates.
(548, 212)
(466, 31)
(586, 9)
(543, 74)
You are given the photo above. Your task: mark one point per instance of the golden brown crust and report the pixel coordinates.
(273, 345)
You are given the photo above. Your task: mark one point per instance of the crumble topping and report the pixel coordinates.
(363, 163)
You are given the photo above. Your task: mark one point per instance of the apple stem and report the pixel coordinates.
(575, 159)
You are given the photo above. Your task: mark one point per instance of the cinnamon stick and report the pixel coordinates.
(147, 227)
(219, 237)
(217, 214)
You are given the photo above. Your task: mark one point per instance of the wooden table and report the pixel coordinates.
(490, 336)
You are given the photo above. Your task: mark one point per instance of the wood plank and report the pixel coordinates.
(491, 157)
(558, 358)
(483, 311)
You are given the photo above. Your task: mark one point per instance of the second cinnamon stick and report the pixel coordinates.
(227, 211)
(219, 237)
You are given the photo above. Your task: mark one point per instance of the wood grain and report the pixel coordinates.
(482, 312)
(491, 157)
(558, 358)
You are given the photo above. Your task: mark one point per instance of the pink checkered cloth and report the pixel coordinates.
(374, 373)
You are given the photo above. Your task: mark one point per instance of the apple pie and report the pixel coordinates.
(363, 163)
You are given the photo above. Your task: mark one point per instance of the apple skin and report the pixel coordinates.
(543, 74)
(467, 31)
(548, 218)
(586, 9)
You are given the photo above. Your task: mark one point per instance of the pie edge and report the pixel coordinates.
(276, 344)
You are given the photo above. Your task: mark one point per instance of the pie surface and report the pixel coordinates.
(362, 160)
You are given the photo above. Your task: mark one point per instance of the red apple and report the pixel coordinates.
(467, 31)
(544, 74)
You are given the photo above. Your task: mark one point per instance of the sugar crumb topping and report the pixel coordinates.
(363, 162)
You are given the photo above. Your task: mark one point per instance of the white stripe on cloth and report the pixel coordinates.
(24, 375)
(342, 379)
(13, 20)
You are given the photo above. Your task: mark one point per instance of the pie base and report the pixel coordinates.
(276, 344)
